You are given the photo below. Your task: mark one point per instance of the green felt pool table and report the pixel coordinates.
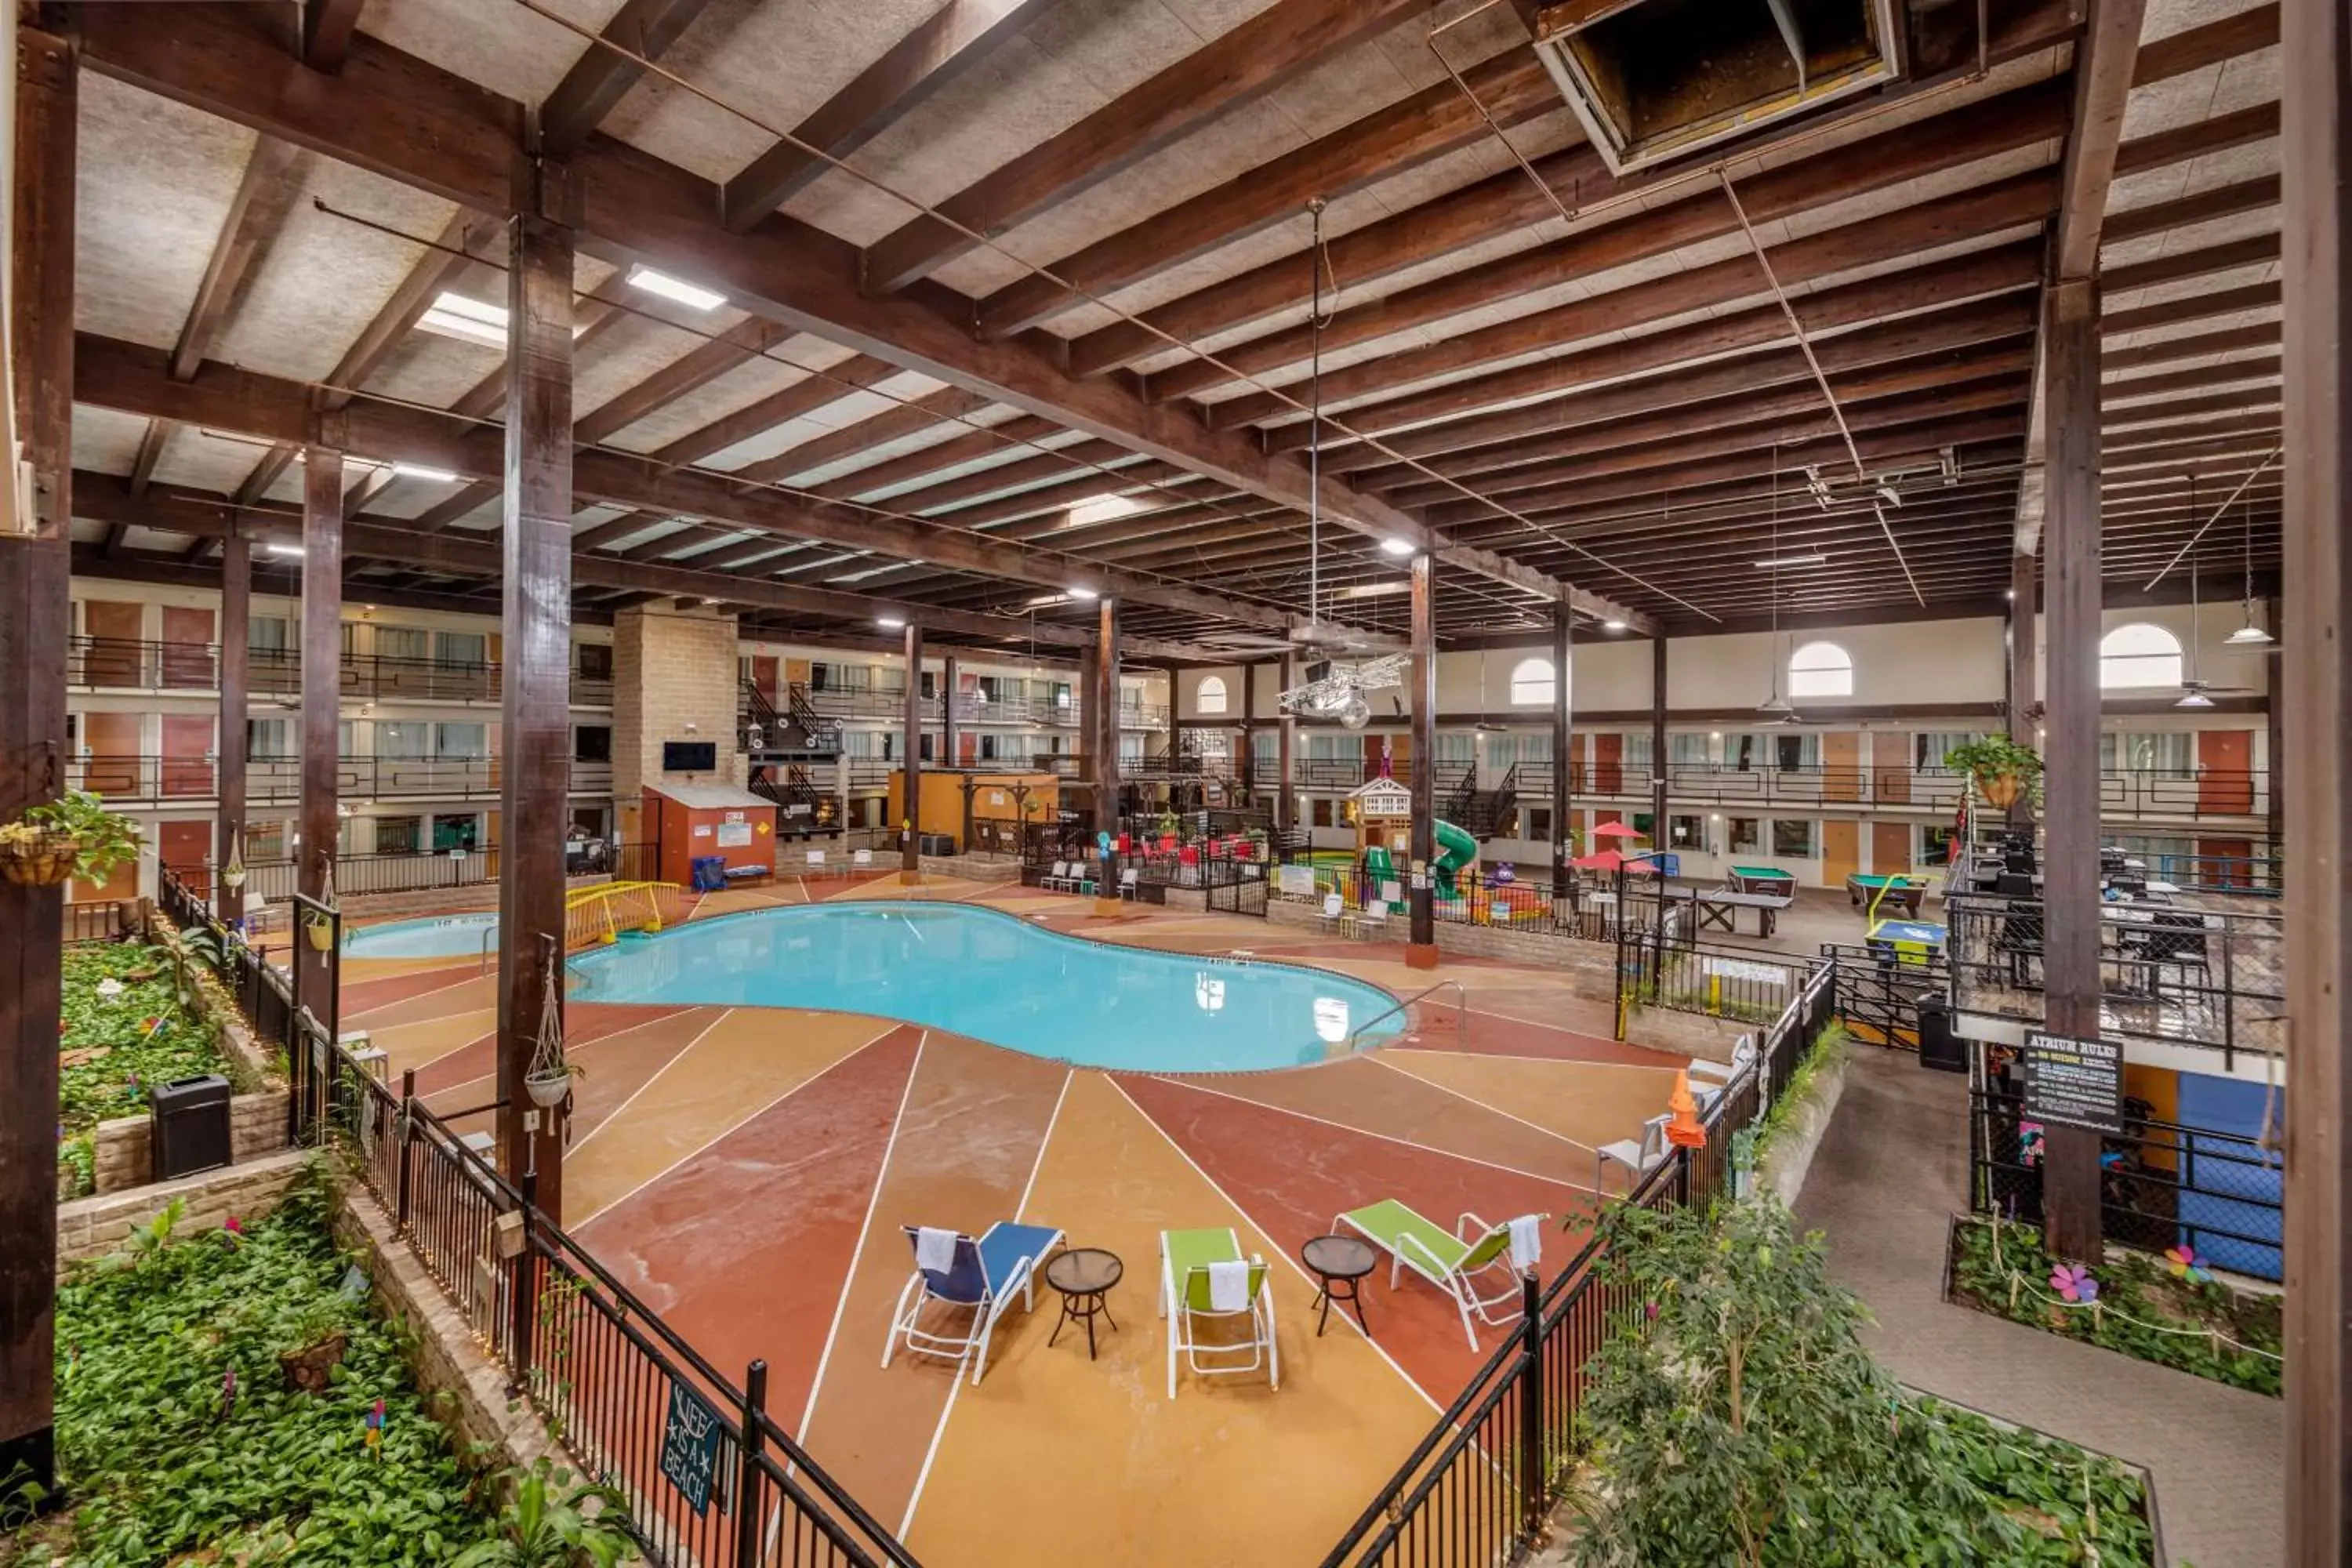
(1886, 894)
(1762, 879)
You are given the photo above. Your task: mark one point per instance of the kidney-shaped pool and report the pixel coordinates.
(998, 978)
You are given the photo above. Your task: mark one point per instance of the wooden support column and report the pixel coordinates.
(2070, 861)
(2024, 708)
(948, 757)
(1104, 700)
(1286, 749)
(1563, 726)
(1245, 765)
(321, 638)
(235, 635)
(33, 620)
(1658, 769)
(910, 768)
(536, 702)
(1421, 943)
(2275, 744)
(2317, 610)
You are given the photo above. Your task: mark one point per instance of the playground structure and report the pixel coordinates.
(601, 915)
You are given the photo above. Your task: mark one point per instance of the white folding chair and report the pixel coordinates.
(1639, 1158)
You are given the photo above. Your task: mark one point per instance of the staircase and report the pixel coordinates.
(798, 730)
(1481, 812)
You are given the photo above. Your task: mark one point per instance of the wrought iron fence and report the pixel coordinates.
(2186, 975)
(2161, 1185)
(1664, 971)
(1474, 1492)
(1879, 991)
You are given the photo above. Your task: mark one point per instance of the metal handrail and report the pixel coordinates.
(1461, 1014)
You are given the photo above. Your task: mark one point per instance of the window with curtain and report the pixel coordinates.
(1689, 751)
(1209, 697)
(1266, 752)
(461, 741)
(1792, 837)
(403, 739)
(400, 642)
(1334, 748)
(1929, 749)
(1456, 745)
(2171, 755)
(1747, 834)
(397, 834)
(1793, 750)
(2137, 656)
(267, 634)
(1532, 683)
(461, 648)
(1820, 669)
(265, 738)
(1637, 748)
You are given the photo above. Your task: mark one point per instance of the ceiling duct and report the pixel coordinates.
(1654, 79)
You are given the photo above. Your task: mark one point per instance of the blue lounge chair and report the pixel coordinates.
(981, 1278)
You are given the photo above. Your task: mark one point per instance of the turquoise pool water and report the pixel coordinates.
(994, 977)
(445, 936)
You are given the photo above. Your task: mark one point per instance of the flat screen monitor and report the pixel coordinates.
(689, 756)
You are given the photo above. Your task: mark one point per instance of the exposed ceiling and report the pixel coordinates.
(1018, 295)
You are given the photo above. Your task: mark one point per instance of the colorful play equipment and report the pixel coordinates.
(1456, 851)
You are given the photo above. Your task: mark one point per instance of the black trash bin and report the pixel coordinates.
(1939, 1048)
(191, 1117)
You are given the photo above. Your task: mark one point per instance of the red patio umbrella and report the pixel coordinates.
(1614, 860)
(1617, 830)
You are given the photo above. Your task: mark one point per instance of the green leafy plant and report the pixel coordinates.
(2002, 768)
(106, 838)
(546, 1523)
(2196, 1325)
(189, 951)
(178, 1441)
(1827, 1049)
(123, 1030)
(1734, 1417)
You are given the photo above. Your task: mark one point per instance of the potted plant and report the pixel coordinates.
(74, 835)
(2002, 768)
(548, 1078)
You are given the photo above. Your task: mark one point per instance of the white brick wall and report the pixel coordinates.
(671, 668)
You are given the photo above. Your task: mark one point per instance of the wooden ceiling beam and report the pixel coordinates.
(1238, 67)
(877, 429)
(326, 34)
(1510, 87)
(108, 373)
(2221, 201)
(1006, 439)
(2194, 308)
(408, 121)
(803, 397)
(2221, 374)
(602, 75)
(2196, 47)
(2261, 334)
(2240, 128)
(2009, 204)
(738, 345)
(952, 39)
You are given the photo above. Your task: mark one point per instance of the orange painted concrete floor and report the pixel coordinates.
(746, 1171)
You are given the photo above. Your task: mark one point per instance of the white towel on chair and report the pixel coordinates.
(1526, 1241)
(934, 1249)
(1228, 1287)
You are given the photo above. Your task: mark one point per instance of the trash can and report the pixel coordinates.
(1939, 1048)
(191, 1122)
(709, 873)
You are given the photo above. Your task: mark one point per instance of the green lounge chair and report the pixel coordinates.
(1188, 1299)
(1455, 1262)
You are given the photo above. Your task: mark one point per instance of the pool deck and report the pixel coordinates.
(746, 1171)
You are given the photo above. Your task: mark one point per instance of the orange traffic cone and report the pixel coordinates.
(1685, 1132)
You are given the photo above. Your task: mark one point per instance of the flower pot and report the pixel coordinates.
(44, 859)
(547, 1089)
(311, 1370)
(2000, 790)
(321, 933)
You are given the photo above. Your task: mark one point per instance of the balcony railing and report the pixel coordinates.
(162, 781)
(2201, 974)
(970, 708)
(123, 664)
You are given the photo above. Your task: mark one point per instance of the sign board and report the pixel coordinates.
(1296, 882)
(690, 1451)
(1744, 969)
(2075, 1083)
(734, 835)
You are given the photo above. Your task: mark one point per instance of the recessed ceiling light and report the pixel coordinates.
(1398, 546)
(1374, 590)
(678, 288)
(1078, 592)
(891, 623)
(419, 471)
(467, 320)
(1814, 559)
(1101, 509)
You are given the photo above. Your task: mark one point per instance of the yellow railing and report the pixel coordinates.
(600, 913)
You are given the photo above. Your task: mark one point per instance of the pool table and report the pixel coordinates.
(1762, 879)
(1886, 894)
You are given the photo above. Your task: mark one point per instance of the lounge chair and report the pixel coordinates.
(1454, 1261)
(1367, 923)
(1197, 1290)
(1129, 883)
(1335, 913)
(1057, 879)
(980, 1278)
(1743, 1053)
(861, 860)
(815, 864)
(1638, 1158)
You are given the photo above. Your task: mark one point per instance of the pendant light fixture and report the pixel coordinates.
(2192, 693)
(2251, 633)
(1776, 703)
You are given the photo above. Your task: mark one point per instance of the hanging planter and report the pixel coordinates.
(548, 1079)
(233, 874)
(35, 857)
(321, 934)
(2002, 769)
(73, 835)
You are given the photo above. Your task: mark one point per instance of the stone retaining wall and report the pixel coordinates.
(92, 1228)
(123, 1147)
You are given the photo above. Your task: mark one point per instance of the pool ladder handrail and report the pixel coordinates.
(1461, 1014)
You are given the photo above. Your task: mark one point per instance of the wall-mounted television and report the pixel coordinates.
(689, 756)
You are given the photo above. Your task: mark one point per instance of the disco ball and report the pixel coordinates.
(1357, 713)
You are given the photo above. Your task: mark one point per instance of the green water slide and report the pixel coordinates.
(1456, 849)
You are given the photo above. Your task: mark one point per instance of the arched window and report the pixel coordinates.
(1532, 683)
(1209, 697)
(2138, 656)
(1820, 669)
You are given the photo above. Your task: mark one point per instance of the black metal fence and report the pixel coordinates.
(1678, 975)
(2161, 1185)
(1475, 1492)
(1879, 991)
(2184, 974)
